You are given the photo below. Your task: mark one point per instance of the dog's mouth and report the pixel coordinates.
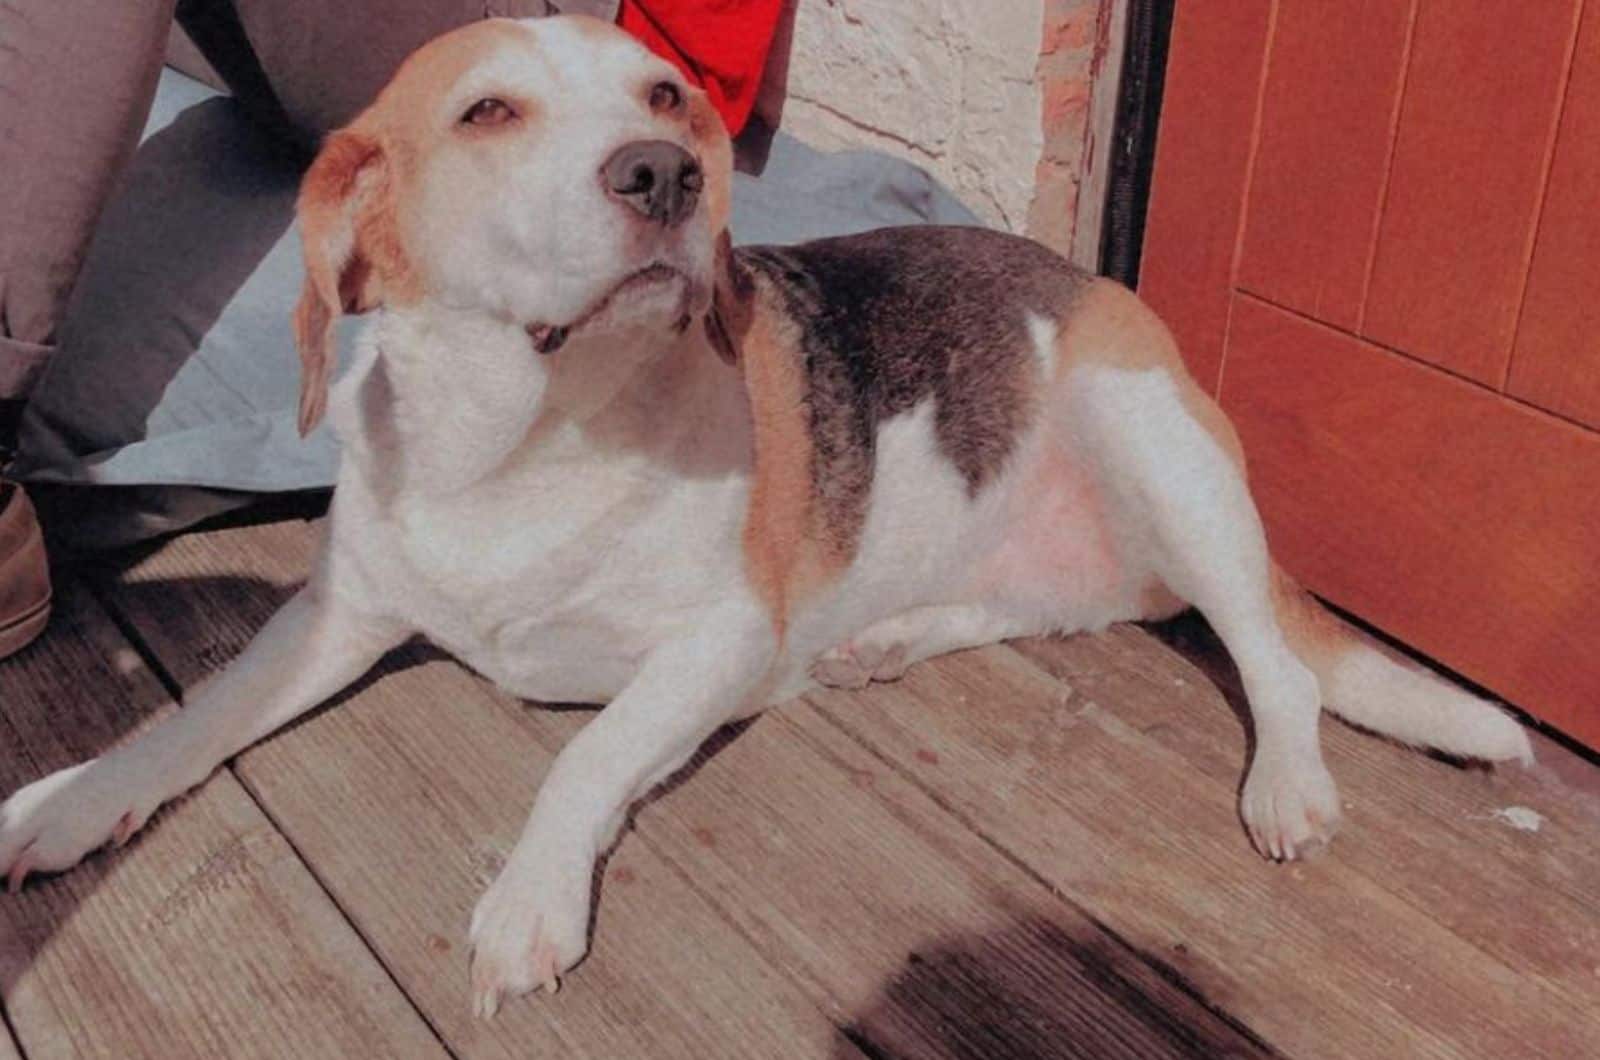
(548, 338)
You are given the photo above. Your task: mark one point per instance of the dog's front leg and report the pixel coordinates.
(315, 645)
(532, 924)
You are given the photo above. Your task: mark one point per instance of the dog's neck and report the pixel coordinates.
(451, 398)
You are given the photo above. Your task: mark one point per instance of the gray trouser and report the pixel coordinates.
(76, 81)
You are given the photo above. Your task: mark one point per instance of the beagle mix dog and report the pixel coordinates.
(601, 456)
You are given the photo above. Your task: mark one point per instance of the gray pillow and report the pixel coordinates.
(176, 366)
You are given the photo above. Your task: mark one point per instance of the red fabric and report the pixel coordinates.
(720, 45)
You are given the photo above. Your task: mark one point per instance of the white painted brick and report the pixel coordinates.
(948, 84)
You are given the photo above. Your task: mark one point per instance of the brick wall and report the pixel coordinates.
(1067, 63)
(992, 96)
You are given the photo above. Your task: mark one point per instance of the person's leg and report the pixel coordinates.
(76, 80)
(77, 77)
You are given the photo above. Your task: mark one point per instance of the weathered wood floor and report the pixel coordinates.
(1025, 851)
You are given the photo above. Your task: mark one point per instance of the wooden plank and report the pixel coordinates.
(1327, 125)
(1468, 175)
(407, 796)
(1314, 957)
(1434, 835)
(1202, 162)
(204, 937)
(909, 924)
(1459, 522)
(1557, 360)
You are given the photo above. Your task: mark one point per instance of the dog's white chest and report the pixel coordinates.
(556, 585)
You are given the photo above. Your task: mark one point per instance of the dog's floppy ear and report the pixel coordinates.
(715, 149)
(337, 233)
(732, 303)
(733, 290)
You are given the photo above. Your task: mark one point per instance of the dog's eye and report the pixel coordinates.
(666, 96)
(489, 111)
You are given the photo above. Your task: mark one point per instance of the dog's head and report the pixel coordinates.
(552, 173)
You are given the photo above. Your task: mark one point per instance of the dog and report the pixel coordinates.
(602, 456)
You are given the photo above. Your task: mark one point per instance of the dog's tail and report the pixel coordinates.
(1370, 685)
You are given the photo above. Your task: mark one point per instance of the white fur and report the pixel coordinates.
(1042, 333)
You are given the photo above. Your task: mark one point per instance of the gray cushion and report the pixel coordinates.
(177, 366)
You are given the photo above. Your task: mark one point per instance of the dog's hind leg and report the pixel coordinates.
(315, 645)
(1171, 465)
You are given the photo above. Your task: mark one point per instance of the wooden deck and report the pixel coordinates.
(1026, 851)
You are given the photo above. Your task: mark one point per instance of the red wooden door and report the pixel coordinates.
(1375, 230)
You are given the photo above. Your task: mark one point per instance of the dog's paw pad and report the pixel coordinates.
(839, 668)
(857, 664)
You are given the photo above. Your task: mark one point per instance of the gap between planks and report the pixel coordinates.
(8, 1042)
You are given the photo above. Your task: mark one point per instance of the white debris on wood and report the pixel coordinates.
(1521, 818)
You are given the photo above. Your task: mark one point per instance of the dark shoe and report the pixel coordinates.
(24, 574)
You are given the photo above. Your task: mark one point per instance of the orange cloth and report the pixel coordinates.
(720, 45)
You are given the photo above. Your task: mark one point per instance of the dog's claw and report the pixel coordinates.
(487, 1004)
(20, 870)
(547, 338)
(525, 933)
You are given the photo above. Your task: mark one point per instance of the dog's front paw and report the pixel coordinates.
(1290, 805)
(855, 664)
(530, 927)
(54, 822)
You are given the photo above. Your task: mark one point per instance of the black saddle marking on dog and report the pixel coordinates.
(894, 316)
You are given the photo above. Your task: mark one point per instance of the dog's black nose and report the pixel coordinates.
(659, 179)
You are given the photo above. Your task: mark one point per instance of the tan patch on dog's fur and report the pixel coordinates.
(354, 258)
(592, 28)
(407, 107)
(338, 278)
(716, 157)
(1109, 325)
(788, 555)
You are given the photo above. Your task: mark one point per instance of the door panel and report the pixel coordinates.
(1476, 127)
(1557, 359)
(1411, 193)
(1218, 91)
(1327, 123)
(1422, 494)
